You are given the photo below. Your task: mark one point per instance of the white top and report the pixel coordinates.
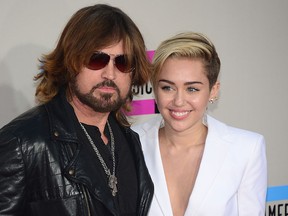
(232, 179)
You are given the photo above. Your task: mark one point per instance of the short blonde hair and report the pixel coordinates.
(187, 45)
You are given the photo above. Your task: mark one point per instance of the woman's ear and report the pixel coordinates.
(215, 91)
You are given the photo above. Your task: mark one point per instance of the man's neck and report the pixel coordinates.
(87, 115)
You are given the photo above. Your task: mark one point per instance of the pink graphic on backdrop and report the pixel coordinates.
(147, 106)
(150, 54)
(142, 107)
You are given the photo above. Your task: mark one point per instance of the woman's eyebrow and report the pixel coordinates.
(186, 83)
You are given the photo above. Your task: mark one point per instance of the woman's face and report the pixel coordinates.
(182, 93)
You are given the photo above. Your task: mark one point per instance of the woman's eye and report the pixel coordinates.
(166, 88)
(192, 89)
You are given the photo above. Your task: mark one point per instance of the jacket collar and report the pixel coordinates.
(63, 123)
(61, 118)
(212, 161)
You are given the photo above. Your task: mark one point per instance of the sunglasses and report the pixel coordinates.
(100, 60)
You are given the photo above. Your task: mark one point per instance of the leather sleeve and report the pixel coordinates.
(12, 175)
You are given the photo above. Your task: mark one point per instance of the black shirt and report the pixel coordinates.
(126, 198)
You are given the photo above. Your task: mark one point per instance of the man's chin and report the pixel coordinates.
(107, 106)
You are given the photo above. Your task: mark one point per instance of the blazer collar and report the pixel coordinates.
(212, 161)
(154, 163)
(216, 148)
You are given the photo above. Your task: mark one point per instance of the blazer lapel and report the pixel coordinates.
(154, 163)
(216, 148)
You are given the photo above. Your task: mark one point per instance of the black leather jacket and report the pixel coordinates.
(44, 169)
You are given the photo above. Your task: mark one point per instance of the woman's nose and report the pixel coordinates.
(179, 98)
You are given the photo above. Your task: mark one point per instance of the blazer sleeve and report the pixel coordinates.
(253, 188)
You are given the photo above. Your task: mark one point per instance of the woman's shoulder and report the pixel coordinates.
(232, 132)
(151, 124)
(240, 143)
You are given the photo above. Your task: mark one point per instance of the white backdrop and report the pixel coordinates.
(250, 36)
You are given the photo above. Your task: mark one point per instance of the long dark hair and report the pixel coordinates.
(89, 29)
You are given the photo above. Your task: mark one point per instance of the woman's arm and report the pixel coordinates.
(253, 188)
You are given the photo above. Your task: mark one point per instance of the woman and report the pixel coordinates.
(199, 165)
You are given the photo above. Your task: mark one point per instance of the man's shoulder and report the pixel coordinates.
(27, 122)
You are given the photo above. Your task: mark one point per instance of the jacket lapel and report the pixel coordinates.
(78, 169)
(154, 163)
(84, 168)
(146, 187)
(216, 148)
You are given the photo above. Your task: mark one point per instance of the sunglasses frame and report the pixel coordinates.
(104, 59)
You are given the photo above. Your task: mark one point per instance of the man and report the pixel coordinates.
(75, 153)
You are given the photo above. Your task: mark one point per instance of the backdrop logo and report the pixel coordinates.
(277, 201)
(146, 89)
(144, 104)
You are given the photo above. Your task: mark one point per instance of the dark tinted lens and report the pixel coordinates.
(121, 63)
(98, 61)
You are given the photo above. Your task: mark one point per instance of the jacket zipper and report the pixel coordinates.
(84, 192)
(81, 188)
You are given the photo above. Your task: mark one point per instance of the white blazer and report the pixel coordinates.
(232, 179)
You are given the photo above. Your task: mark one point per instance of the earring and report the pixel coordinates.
(212, 100)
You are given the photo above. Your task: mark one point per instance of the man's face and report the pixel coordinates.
(106, 89)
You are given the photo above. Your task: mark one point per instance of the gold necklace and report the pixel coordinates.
(112, 179)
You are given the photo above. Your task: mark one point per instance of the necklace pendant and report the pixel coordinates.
(113, 184)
